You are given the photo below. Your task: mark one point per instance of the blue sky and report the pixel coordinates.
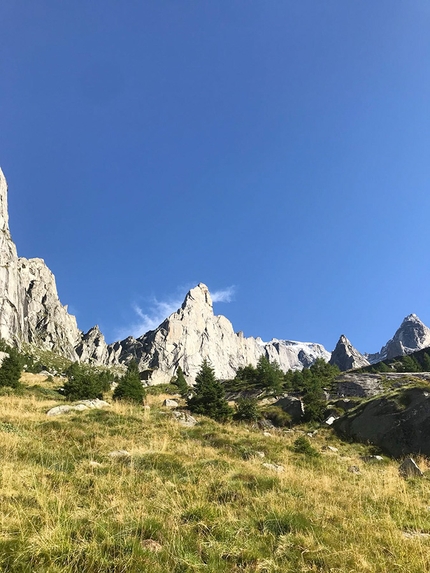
(278, 151)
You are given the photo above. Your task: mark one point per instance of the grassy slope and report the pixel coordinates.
(200, 493)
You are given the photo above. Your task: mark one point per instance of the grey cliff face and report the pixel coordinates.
(193, 333)
(412, 335)
(346, 357)
(30, 310)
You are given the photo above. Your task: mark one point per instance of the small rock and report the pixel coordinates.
(80, 407)
(119, 454)
(94, 404)
(332, 449)
(415, 534)
(185, 419)
(267, 434)
(167, 403)
(370, 459)
(260, 454)
(354, 469)
(408, 468)
(330, 420)
(152, 545)
(274, 467)
(59, 410)
(95, 464)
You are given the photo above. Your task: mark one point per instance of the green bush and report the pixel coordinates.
(277, 416)
(85, 383)
(130, 386)
(303, 446)
(247, 410)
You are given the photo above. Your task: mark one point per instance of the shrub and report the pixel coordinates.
(303, 446)
(277, 416)
(247, 410)
(85, 383)
(130, 386)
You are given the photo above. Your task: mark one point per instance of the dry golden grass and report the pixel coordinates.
(195, 499)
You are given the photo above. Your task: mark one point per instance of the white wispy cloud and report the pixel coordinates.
(156, 311)
(225, 295)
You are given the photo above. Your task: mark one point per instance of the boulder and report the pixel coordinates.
(398, 423)
(408, 468)
(168, 403)
(80, 407)
(292, 406)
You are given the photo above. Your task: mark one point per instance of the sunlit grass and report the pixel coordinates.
(195, 499)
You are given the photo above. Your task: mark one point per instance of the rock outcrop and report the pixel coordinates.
(346, 357)
(399, 424)
(412, 335)
(30, 310)
(194, 333)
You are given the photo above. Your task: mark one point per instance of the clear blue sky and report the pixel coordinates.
(278, 147)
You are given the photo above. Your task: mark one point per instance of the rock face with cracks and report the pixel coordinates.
(193, 334)
(346, 357)
(30, 310)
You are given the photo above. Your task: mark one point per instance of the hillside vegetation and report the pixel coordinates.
(195, 499)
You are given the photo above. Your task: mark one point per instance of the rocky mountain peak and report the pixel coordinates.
(198, 296)
(345, 356)
(412, 335)
(4, 216)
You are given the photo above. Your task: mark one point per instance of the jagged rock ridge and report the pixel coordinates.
(194, 333)
(346, 357)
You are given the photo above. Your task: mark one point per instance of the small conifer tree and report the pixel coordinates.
(208, 395)
(130, 386)
(11, 368)
(181, 383)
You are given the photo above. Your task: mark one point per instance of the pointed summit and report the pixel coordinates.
(412, 335)
(4, 216)
(198, 296)
(346, 357)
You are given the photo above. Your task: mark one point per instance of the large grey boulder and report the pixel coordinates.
(398, 423)
(193, 333)
(292, 406)
(359, 385)
(346, 357)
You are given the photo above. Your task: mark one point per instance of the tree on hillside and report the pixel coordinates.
(180, 382)
(269, 375)
(85, 383)
(130, 386)
(11, 368)
(208, 396)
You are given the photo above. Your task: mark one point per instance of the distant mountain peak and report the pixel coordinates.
(412, 335)
(346, 357)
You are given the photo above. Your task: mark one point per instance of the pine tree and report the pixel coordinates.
(208, 395)
(130, 386)
(181, 383)
(11, 368)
